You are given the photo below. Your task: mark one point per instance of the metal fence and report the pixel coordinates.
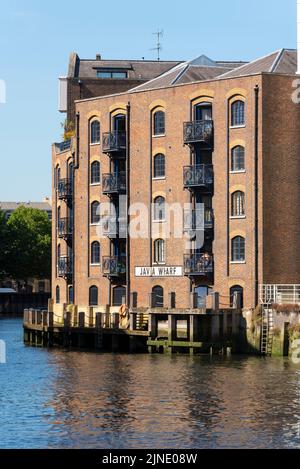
(279, 294)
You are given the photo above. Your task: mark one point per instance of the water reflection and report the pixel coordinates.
(72, 399)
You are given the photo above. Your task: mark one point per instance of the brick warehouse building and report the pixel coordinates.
(203, 132)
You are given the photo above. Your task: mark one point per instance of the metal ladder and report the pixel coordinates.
(267, 330)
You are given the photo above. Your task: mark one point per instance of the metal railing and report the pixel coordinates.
(200, 175)
(279, 294)
(198, 264)
(198, 132)
(64, 266)
(64, 189)
(113, 141)
(64, 227)
(114, 183)
(113, 266)
(198, 219)
(63, 146)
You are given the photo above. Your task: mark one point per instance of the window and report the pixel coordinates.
(93, 296)
(238, 113)
(159, 209)
(203, 112)
(95, 132)
(159, 165)
(157, 297)
(57, 295)
(238, 249)
(159, 251)
(111, 74)
(71, 295)
(95, 253)
(238, 158)
(95, 212)
(236, 289)
(238, 204)
(159, 123)
(95, 172)
(119, 294)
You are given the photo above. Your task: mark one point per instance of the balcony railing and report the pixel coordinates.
(200, 175)
(114, 142)
(198, 219)
(109, 227)
(63, 146)
(113, 266)
(64, 228)
(64, 189)
(64, 266)
(198, 264)
(198, 132)
(114, 183)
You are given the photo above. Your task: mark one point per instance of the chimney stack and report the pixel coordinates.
(298, 37)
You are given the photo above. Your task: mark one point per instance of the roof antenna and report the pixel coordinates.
(158, 48)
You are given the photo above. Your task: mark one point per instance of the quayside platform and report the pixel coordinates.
(143, 330)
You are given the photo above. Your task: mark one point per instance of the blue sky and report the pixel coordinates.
(36, 38)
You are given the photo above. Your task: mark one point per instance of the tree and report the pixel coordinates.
(29, 250)
(3, 245)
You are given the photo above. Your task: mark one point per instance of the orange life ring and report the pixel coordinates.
(123, 311)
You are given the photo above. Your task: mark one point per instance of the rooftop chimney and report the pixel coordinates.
(98, 56)
(298, 37)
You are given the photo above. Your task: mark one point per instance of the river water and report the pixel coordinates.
(61, 399)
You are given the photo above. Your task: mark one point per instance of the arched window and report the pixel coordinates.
(233, 291)
(159, 165)
(57, 295)
(238, 158)
(159, 127)
(159, 208)
(238, 204)
(238, 113)
(159, 251)
(95, 212)
(238, 249)
(95, 172)
(71, 295)
(95, 253)
(93, 296)
(119, 293)
(157, 297)
(95, 131)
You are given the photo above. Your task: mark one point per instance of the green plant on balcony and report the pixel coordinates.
(69, 129)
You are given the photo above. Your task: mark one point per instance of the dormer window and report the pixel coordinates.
(116, 74)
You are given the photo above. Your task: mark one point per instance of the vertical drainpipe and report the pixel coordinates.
(192, 196)
(228, 188)
(75, 167)
(128, 203)
(256, 91)
(150, 191)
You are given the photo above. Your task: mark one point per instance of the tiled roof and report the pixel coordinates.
(201, 68)
(282, 61)
(10, 206)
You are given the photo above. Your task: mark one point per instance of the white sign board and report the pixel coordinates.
(158, 271)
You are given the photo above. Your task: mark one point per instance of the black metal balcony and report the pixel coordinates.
(64, 228)
(198, 219)
(198, 264)
(113, 266)
(113, 142)
(64, 266)
(198, 132)
(114, 183)
(64, 189)
(109, 227)
(63, 146)
(198, 176)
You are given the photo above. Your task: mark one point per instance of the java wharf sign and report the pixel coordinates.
(158, 271)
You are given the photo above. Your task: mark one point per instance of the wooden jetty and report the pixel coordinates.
(144, 330)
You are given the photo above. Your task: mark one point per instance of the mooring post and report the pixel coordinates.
(215, 302)
(133, 317)
(193, 331)
(99, 331)
(50, 319)
(172, 330)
